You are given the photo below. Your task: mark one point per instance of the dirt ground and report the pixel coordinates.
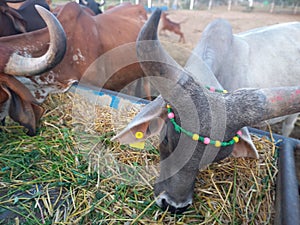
(194, 22)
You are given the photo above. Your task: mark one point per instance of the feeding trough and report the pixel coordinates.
(287, 190)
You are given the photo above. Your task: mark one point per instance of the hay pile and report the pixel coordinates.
(71, 173)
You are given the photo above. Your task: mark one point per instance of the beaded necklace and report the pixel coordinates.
(197, 137)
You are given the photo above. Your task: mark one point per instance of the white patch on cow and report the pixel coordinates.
(81, 57)
(75, 58)
(41, 86)
(95, 31)
(25, 52)
(78, 57)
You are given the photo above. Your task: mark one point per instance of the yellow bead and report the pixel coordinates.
(225, 91)
(195, 137)
(236, 139)
(139, 135)
(218, 144)
(168, 106)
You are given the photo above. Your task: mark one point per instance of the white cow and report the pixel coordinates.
(259, 58)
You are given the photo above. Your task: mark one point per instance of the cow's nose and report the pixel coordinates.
(172, 209)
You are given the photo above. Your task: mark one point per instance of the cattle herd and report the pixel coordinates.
(45, 50)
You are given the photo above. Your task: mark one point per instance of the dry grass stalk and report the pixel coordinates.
(116, 185)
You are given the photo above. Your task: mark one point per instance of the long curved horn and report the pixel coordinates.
(20, 65)
(154, 60)
(14, 1)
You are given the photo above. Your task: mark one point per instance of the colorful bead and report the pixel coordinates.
(213, 89)
(195, 137)
(139, 135)
(171, 115)
(168, 106)
(239, 133)
(236, 139)
(206, 140)
(218, 144)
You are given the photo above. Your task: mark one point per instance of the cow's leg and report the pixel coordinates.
(288, 124)
(181, 36)
(183, 39)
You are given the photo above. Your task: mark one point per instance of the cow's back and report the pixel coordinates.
(264, 57)
(129, 10)
(90, 38)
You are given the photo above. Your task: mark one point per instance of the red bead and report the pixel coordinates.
(206, 141)
(239, 133)
(171, 115)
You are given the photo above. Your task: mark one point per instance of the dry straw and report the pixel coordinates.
(71, 173)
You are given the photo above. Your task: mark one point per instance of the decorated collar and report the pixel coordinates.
(197, 137)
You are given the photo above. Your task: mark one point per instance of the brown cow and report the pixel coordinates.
(106, 41)
(16, 100)
(169, 25)
(88, 38)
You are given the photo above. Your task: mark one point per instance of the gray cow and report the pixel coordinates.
(198, 126)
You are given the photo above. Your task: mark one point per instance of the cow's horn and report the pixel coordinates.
(154, 60)
(14, 1)
(20, 65)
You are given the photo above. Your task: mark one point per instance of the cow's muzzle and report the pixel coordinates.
(166, 203)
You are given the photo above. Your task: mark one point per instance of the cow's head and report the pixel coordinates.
(16, 100)
(201, 126)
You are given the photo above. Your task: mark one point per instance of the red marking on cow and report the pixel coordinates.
(293, 96)
(277, 98)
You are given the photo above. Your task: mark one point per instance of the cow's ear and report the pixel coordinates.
(245, 147)
(148, 122)
(4, 95)
(18, 22)
(25, 112)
